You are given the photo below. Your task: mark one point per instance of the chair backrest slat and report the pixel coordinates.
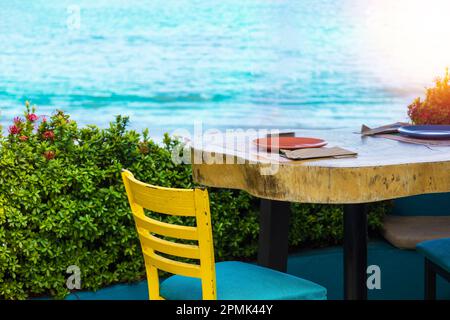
(175, 267)
(177, 202)
(166, 229)
(163, 200)
(168, 247)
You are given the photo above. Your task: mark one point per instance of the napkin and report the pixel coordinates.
(390, 128)
(314, 153)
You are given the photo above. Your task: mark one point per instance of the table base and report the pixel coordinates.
(274, 237)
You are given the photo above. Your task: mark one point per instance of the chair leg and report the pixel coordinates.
(430, 281)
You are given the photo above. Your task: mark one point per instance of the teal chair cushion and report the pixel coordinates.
(244, 281)
(437, 251)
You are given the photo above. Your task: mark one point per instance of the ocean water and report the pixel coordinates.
(226, 64)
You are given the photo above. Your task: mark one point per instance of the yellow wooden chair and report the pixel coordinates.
(191, 281)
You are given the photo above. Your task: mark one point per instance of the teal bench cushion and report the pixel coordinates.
(244, 281)
(437, 251)
(433, 204)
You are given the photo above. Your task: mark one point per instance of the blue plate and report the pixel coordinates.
(426, 131)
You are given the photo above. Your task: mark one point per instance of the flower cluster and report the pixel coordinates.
(33, 128)
(435, 109)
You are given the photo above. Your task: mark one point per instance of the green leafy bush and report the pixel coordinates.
(62, 203)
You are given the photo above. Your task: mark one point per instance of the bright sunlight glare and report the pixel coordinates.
(410, 37)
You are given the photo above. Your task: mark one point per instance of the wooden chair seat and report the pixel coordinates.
(405, 232)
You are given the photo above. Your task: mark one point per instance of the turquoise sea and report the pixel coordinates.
(228, 64)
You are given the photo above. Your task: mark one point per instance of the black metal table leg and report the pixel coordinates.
(430, 281)
(355, 252)
(273, 234)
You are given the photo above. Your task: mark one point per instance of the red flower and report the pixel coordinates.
(23, 138)
(32, 117)
(14, 129)
(48, 135)
(44, 119)
(17, 120)
(49, 155)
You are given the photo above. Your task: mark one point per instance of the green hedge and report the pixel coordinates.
(62, 203)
